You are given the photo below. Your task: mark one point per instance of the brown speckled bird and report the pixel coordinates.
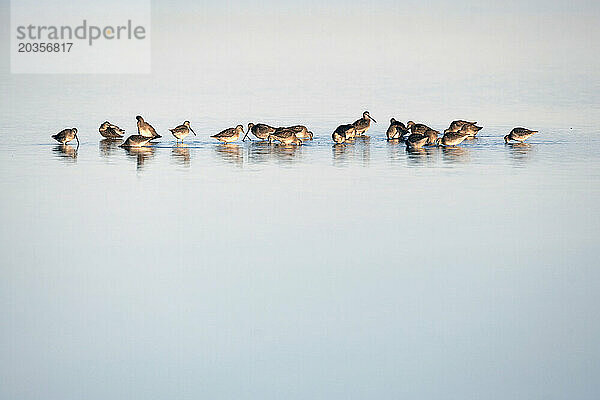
(230, 134)
(397, 130)
(261, 131)
(343, 133)
(519, 135)
(301, 131)
(451, 139)
(416, 141)
(136, 141)
(363, 124)
(181, 131)
(285, 136)
(111, 131)
(66, 135)
(145, 129)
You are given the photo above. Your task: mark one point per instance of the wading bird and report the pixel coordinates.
(230, 134)
(519, 135)
(145, 129)
(261, 131)
(136, 141)
(363, 124)
(181, 131)
(66, 135)
(111, 131)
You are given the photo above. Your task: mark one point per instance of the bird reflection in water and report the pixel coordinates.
(419, 156)
(455, 154)
(65, 152)
(140, 154)
(259, 152)
(108, 146)
(230, 153)
(363, 146)
(356, 150)
(520, 153)
(286, 154)
(341, 153)
(180, 154)
(395, 149)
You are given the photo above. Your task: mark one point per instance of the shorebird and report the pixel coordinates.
(397, 130)
(301, 131)
(343, 132)
(470, 130)
(230, 134)
(261, 131)
(66, 135)
(136, 141)
(417, 128)
(145, 129)
(519, 135)
(363, 124)
(181, 131)
(111, 131)
(285, 136)
(423, 129)
(451, 139)
(432, 136)
(457, 125)
(416, 141)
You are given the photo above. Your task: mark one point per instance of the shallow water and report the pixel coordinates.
(262, 271)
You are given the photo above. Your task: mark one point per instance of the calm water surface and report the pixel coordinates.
(260, 271)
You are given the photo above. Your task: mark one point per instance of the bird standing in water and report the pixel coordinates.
(230, 134)
(519, 135)
(181, 131)
(261, 131)
(145, 129)
(301, 132)
(111, 131)
(470, 128)
(136, 141)
(424, 130)
(397, 130)
(66, 135)
(343, 133)
(363, 124)
(416, 141)
(285, 136)
(451, 139)
(457, 125)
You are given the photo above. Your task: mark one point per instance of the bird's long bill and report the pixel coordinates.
(371, 118)
(193, 131)
(77, 140)
(244, 138)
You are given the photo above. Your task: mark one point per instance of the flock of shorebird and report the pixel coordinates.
(413, 134)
